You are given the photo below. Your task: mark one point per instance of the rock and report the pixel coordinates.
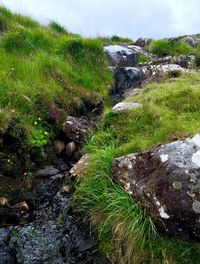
(119, 55)
(60, 145)
(47, 172)
(125, 106)
(190, 41)
(80, 167)
(70, 149)
(142, 42)
(3, 201)
(167, 67)
(138, 50)
(75, 129)
(55, 236)
(125, 79)
(166, 181)
(21, 206)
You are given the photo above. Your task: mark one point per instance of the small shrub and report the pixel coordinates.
(38, 139)
(142, 58)
(164, 47)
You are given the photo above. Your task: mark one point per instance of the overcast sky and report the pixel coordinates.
(128, 18)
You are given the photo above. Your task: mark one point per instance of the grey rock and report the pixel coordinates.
(47, 172)
(166, 181)
(125, 106)
(119, 55)
(55, 236)
(75, 129)
(125, 79)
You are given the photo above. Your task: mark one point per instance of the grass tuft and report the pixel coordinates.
(164, 47)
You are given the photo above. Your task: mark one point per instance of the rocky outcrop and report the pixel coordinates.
(166, 181)
(122, 56)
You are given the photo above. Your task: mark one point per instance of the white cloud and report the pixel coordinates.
(131, 18)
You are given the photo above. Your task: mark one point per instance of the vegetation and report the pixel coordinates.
(46, 73)
(170, 111)
(165, 47)
(142, 58)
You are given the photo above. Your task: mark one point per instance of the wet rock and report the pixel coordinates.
(125, 106)
(56, 236)
(75, 129)
(47, 172)
(125, 79)
(80, 167)
(166, 181)
(119, 55)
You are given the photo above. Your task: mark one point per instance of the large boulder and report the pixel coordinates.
(119, 55)
(166, 181)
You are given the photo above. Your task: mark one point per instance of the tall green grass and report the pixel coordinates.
(164, 47)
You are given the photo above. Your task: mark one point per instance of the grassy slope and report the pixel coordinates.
(45, 74)
(46, 71)
(170, 110)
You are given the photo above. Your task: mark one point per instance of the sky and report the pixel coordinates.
(126, 18)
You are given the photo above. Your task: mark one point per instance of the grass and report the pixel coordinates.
(47, 73)
(127, 235)
(164, 47)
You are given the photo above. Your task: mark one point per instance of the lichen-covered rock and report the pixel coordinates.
(166, 181)
(119, 55)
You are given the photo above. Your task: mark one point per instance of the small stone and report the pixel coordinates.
(65, 189)
(125, 106)
(3, 201)
(47, 172)
(196, 207)
(177, 185)
(22, 206)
